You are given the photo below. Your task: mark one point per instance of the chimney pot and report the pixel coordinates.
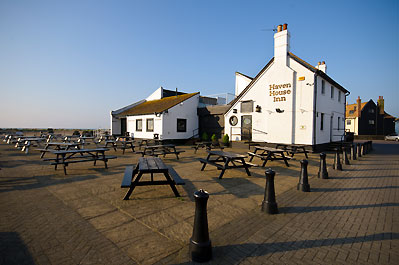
(285, 26)
(323, 62)
(318, 63)
(279, 28)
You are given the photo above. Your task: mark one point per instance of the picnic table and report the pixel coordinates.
(268, 154)
(207, 145)
(292, 149)
(56, 146)
(71, 138)
(156, 150)
(150, 165)
(66, 157)
(225, 160)
(26, 143)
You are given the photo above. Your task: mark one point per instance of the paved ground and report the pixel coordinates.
(49, 218)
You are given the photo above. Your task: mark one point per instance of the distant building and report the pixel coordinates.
(288, 101)
(368, 118)
(165, 114)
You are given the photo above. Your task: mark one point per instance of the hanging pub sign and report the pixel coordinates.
(278, 92)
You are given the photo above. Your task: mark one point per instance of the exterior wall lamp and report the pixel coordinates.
(234, 110)
(258, 108)
(278, 110)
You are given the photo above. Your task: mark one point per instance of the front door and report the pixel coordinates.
(246, 127)
(123, 126)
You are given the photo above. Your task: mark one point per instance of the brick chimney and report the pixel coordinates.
(380, 105)
(359, 106)
(281, 44)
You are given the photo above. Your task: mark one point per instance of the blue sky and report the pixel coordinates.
(67, 64)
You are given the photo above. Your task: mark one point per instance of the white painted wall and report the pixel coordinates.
(157, 94)
(115, 126)
(166, 124)
(241, 83)
(353, 127)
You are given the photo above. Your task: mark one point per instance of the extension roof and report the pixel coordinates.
(156, 106)
(300, 61)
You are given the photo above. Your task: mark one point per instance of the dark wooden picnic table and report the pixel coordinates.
(292, 149)
(51, 146)
(225, 160)
(65, 157)
(150, 165)
(268, 154)
(156, 150)
(26, 143)
(207, 145)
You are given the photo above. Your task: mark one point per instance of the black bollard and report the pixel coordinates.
(303, 184)
(323, 173)
(346, 160)
(364, 149)
(337, 160)
(371, 145)
(200, 245)
(359, 150)
(354, 151)
(269, 204)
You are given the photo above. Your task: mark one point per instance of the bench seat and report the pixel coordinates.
(204, 161)
(177, 179)
(127, 177)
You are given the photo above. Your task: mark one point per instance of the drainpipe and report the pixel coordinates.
(314, 110)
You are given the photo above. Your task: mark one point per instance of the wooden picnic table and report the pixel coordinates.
(65, 157)
(207, 145)
(26, 143)
(292, 149)
(268, 154)
(150, 165)
(56, 146)
(155, 150)
(225, 160)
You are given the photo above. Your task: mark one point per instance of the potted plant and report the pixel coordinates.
(214, 139)
(204, 137)
(226, 140)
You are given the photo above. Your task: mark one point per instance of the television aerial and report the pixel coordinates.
(274, 29)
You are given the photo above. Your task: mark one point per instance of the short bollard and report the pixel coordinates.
(354, 151)
(371, 145)
(364, 149)
(346, 160)
(200, 245)
(269, 204)
(303, 184)
(359, 150)
(337, 160)
(323, 173)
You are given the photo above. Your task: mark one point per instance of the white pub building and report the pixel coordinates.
(288, 101)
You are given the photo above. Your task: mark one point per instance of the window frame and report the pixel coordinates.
(321, 121)
(137, 127)
(177, 125)
(244, 110)
(348, 122)
(332, 92)
(323, 87)
(147, 122)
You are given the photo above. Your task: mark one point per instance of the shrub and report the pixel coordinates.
(225, 139)
(76, 132)
(204, 136)
(214, 138)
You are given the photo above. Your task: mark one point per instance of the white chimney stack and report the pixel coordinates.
(322, 66)
(281, 44)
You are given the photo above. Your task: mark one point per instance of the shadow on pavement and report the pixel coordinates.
(13, 250)
(309, 209)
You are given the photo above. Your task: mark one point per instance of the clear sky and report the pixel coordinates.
(67, 64)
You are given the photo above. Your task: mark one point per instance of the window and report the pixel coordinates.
(332, 92)
(339, 96)
(371, 121)
(348, 122)
(321, 121)
(139, 125)
(339, 122)
(351, 111)
(247, 106)
(371, 110)
(181, 125)
(323, 87)
(150, 125)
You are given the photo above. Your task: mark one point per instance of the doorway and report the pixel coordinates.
(246, 127)
(123, 126)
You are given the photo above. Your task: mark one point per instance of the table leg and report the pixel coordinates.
(132, 186)
(224, 168)
(267, 158)
(285, 160)
(246, 167)
(171, 184)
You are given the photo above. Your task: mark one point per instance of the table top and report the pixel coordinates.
(33, 139)
(151, 163)
(293, 145)
(159, 146)
(62, 143)
(269, 149)
(226, 154)
(87, 150)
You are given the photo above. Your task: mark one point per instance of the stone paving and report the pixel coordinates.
(80, 218)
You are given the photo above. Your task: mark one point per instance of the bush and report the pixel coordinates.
(214, 138)
(225, 139)
(204, 137)
(76, 132)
